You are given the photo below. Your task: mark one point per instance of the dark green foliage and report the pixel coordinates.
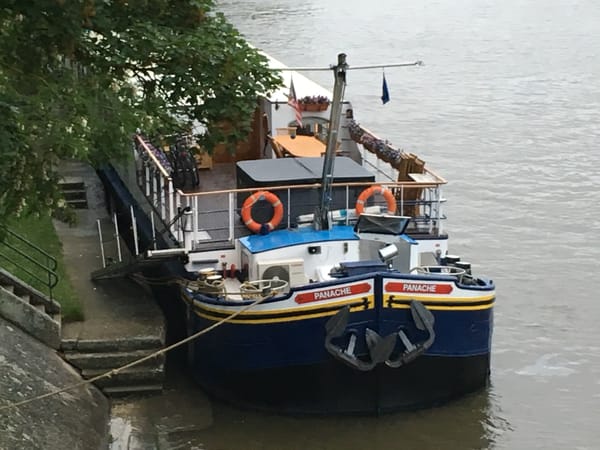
(77, 78)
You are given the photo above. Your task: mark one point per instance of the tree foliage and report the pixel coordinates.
(78, 77)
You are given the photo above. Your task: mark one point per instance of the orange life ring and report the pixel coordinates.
(369, 192)
(247, 211)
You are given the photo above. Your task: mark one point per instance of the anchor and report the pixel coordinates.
(380, 348)
(424, 321)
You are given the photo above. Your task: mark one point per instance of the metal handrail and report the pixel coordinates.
(48, 266)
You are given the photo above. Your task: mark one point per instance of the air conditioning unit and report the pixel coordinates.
(290, 270)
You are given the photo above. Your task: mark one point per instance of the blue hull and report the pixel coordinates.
(281, 344)
(333, 388)
(285, 366)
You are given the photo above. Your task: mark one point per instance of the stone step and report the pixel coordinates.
(28, 299)
(74, 194)
(78, 204)
(25, 307)
(110, 360)
(9, 287)
(119, 391)
(72, 183)
(114, 345)
(132, 376)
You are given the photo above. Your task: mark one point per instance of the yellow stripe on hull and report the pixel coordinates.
(470, 303)
(250, 317)
(447, 308)
(430, 298)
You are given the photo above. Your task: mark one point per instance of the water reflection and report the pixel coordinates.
(462, 426)
(183, 417)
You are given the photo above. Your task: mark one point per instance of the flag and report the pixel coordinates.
(293, 102)
(385, 96)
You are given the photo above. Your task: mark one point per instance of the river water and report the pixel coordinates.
(507, 109)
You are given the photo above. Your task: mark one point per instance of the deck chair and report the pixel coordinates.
(277, 150)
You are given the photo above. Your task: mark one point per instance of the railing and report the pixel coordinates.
(155, 181)
(208, 219)
(218, 212)
(29, 262)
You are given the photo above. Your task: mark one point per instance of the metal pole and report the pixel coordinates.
(370, 66)
(163, 201)
(135, 235)
(194, 222)
(401, 199)
(440, 225)
(101, 244)
(147, 179)
(170, 193)
(117, 237)
(231, 218)
(322, 211)
(153, 229)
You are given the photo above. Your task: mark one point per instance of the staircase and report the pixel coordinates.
(96, 357)
(30, 310)
(75, 192)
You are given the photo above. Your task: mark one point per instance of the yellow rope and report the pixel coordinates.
(136, 362)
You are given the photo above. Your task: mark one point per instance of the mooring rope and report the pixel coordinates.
(112, 372)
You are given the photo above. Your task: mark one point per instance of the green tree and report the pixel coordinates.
(78, 77)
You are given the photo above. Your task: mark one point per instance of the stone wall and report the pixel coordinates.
(75, 419)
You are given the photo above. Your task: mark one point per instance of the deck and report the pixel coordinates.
(217, 200)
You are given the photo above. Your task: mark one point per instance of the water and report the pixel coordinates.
(507, 108)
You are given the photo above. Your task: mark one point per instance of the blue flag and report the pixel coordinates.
(385, 96)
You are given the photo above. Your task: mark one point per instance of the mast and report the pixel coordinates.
(321, 220)
(321, 216)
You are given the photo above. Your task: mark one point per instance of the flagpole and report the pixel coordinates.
(372, 66)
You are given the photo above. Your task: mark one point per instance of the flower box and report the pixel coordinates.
(310, 107)
(314, 103)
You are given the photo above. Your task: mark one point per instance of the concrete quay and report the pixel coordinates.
(122, 323)
(75, 419)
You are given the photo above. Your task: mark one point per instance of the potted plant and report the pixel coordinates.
(314, 103)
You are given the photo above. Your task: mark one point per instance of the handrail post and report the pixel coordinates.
(135, 235)
(171, 198)
(194, 222)
(402, 199)
(101, 244)
(153, 229)
(231, 219)
(289, 210)
(347, 204)
(116, 222)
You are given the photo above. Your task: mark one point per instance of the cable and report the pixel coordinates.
(136, 362)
